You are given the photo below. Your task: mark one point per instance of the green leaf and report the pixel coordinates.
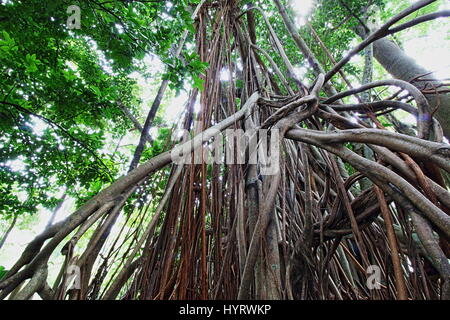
(198, 82)
(3, 272)
(96, 90)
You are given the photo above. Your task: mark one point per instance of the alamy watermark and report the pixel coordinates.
(73, 278)
(233, 146)
(374, 277)
(74, 20)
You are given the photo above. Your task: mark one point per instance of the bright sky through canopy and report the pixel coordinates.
(302, 9)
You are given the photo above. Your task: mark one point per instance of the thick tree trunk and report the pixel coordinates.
(403, 67)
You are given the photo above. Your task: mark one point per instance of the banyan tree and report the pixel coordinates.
(344, 201)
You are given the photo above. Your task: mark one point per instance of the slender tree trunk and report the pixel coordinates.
(148, 124)
(5, 236)
(157, 102)
(301, 44)
(58, 207)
